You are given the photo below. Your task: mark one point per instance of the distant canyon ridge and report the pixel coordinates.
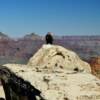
(20, 50)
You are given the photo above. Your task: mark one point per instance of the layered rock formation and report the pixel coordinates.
(95, 65)
(56, 73)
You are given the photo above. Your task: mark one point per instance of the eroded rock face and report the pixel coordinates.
(95, 66)
(54, 57)
(16, 88)
(61, 86)
(59, 74)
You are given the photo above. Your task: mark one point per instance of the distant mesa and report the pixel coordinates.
(3, 36)
(32, 36)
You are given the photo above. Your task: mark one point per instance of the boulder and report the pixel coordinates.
(53, 73)
(54, 57)
(57, 86)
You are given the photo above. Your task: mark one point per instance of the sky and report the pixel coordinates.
(62, 17)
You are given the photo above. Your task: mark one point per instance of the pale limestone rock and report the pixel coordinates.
(62, 86)
(2, 95)
(56, 82)
(54, 57)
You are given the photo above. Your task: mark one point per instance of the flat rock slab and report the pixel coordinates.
(61, 86)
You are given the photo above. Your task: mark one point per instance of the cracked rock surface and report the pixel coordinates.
(54, 57)
(57, 77)
(62, 86)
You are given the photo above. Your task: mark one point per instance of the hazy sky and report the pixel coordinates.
(62, 17)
